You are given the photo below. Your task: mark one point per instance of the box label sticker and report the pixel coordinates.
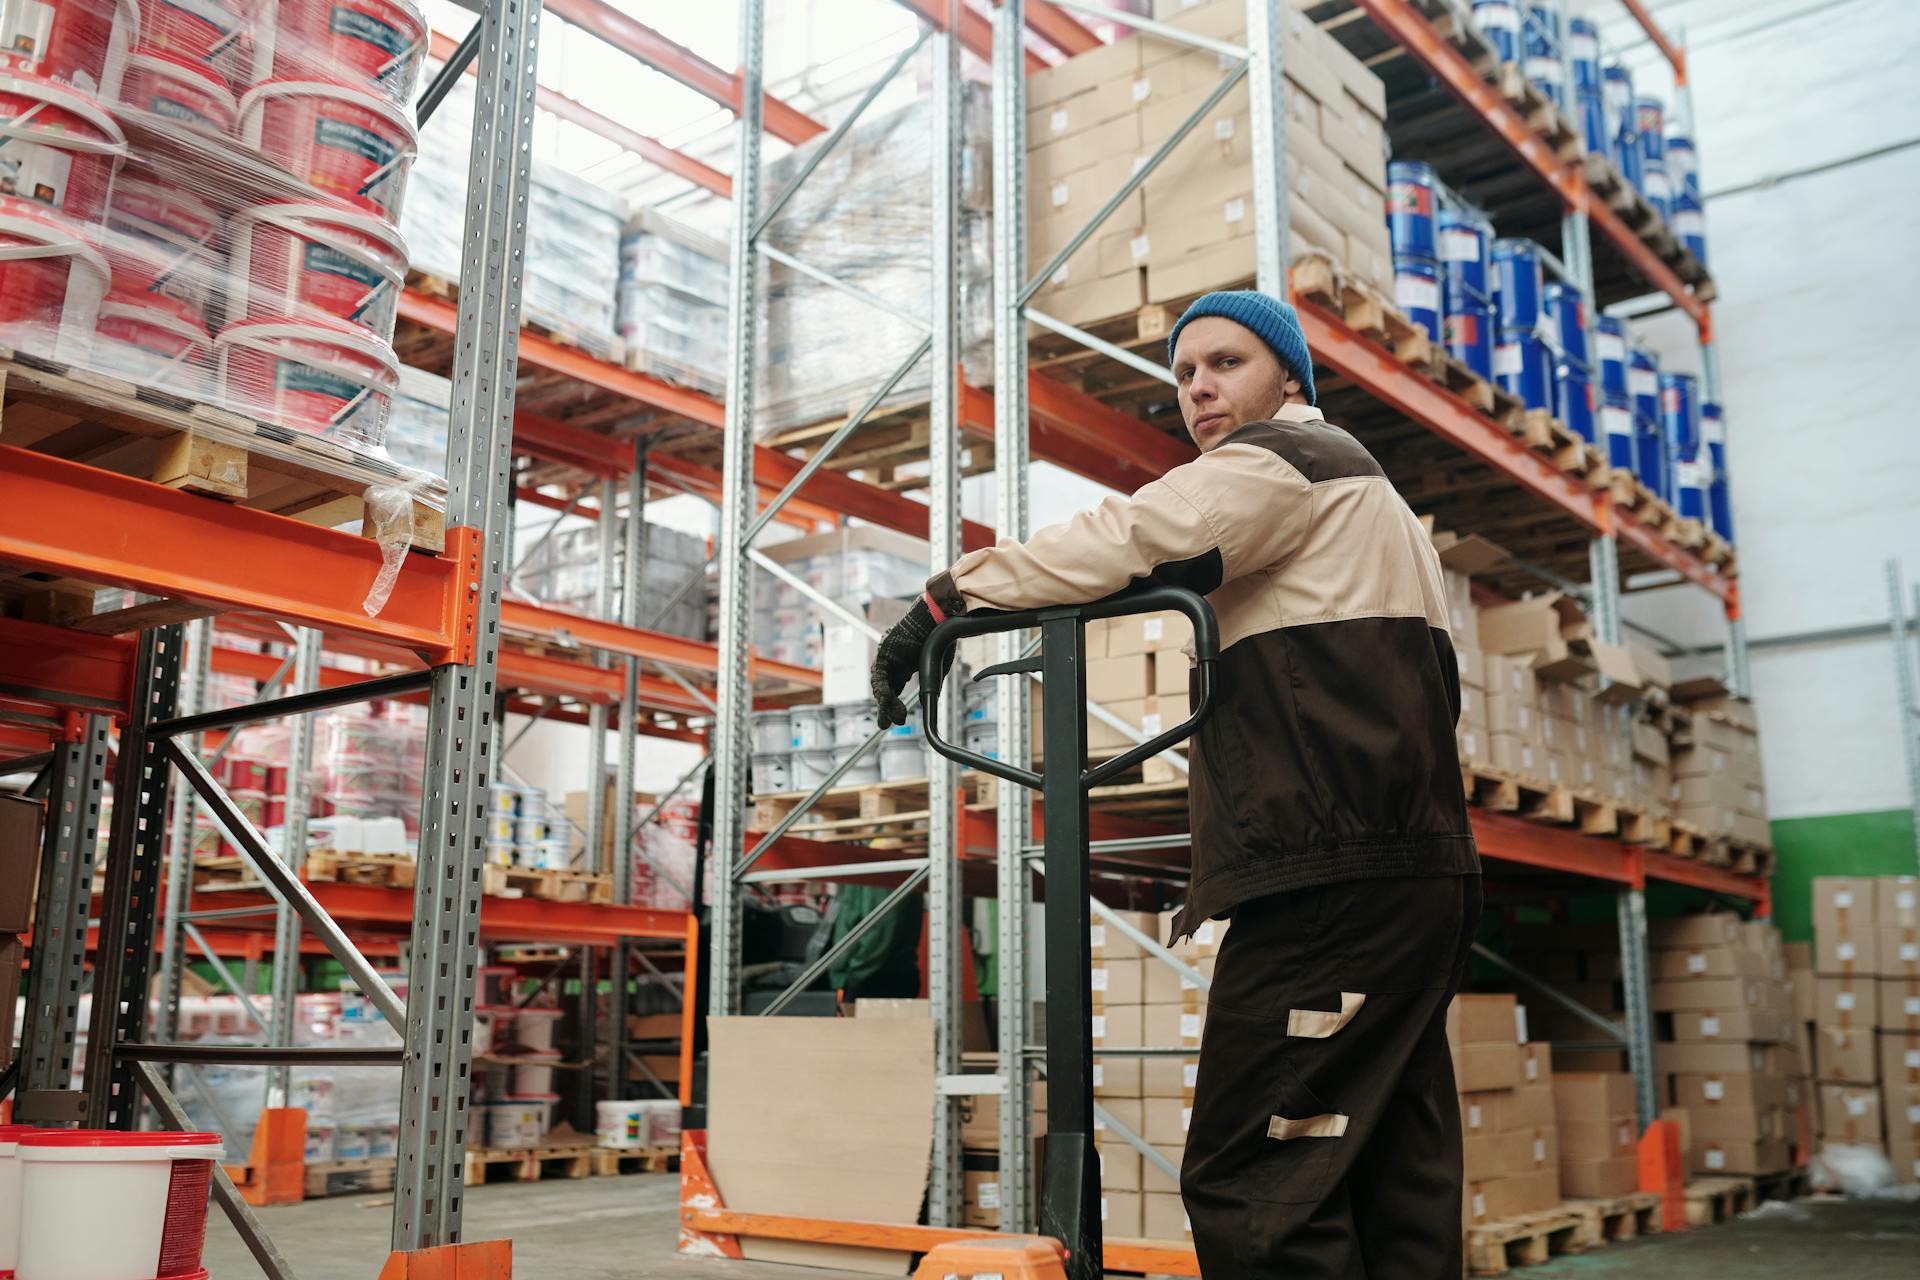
(1715, 1090)
(1098, 980)
(1843, 898)
(1098, 935)
(1696, 962)
(1710, 1027)
(1189, 1026)
(1153, 628)
(1059, 194)
(1844, 1001)
(1099, 1021)
(1716, 1158)
(1844, 951)
(1057, 122)
(1141, 89)
(1223, 129)
(1186, 1118)
(1235, 209)
(1856, 1105)
(1190, 1075)
(989, 1195)
(1139, 247)
(1473, 1115)
(1539, 1150)
(1913, 1006)
(1099, 1074)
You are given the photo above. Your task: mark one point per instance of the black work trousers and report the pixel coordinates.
(1324, 1142)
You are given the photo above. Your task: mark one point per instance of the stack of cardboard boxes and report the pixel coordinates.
(1136, 668)
(1599, 1128)
(1189, 228)
(1581, 960)
(1717, 785)
(1506, 1109)
(1866, 1015)
(1732, 1075)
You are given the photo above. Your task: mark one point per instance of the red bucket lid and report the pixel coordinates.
(13, 1133)
(115, 1138)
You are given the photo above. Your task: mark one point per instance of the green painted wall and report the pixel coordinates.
(1843, 844)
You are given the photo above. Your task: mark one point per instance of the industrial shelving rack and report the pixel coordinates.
(1129, 452)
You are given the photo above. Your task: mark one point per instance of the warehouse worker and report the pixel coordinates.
(1327, 814)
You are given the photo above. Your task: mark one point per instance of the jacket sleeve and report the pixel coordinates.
(1234, 511)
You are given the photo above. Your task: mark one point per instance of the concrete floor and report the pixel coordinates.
(623, 1229)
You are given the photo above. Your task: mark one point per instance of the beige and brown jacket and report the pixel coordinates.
(1330, 753)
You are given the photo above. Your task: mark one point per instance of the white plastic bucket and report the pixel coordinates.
(772, 732)
(58, 147)
(902, 757)
(863, 771)
(983, 739)
(154, 341)
(515, 1123)
(810, 768)
(154, 1186)
(812, 727)
(292, 260)
(342, 141)
(854, 723)
(350, 1142)
(535, 1077)
(319, 1148)
(51, 282)
(325, 377)
(621, 1124)
(772, 772)
(533, 1028)
(10, 1135)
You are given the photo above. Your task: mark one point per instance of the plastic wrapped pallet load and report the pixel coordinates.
(673, 302)
(1189, 228)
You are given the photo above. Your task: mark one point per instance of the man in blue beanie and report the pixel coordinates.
(1328, 821)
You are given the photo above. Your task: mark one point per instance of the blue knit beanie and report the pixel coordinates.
(1272, 321)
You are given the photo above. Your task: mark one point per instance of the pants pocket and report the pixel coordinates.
(1259, 1133)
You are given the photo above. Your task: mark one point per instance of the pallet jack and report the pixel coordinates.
(1070, 1185)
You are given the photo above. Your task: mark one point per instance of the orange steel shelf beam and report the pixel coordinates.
(976, 33)
(501, 919)
(1631, 529)
(681, 64)
(1399, 20)
(842, 493)
(72, 520)
(1668, 49)
(1699, 875)
(554, 626)
(60, 669)
(652, 150)
(1059, 28)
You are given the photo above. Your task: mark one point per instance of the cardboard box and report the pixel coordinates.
(1485, 1018)
(1164, 1121)
(1167, 1025)
(1110, 944)
(1837, 953)
(1169, 1077)
(1710, 1058)
(1083, 146)
(1508, 713)
(1517, 755)
(1843, 903)
(1155, 1182)
(1479, 1111)
(1542, 627)
(1084, 72)
(1718, 961)
(1120, 1213)
(1898, 1004)
(1119, 1167)
(1896, 900)
(1592, 1096)
(1583, 1140)
(1164, 1217)
(1130, 1112)
(1146, 633)
(1116, 982)
(1731, 1091)
(980, 1193)
(1850, 1115)
(1900, 1058)
(1844, 1056)
(1716, 929)
(1707, 995)
(1617, 1176)
(1509, 1196)
(1536, 1064)
(1479, 1067)
(1118, 1025)
(1846, 1003)
(980, 1117)
(1116, 1078)
(1727, 1025)
(1897, 951)
(1720, 1155)
(1527, 1151)
(20, 820)
(1524, 1107)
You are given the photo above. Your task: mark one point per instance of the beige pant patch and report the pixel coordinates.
(1318, 1024)
(1331, 1125)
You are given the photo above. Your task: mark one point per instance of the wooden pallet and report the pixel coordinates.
(612, 1161)
(1711, 1200)
(601, 346)
(529, 1165)
(69, 412)
(1539, 112)
(1530, 1238)
(1545, 434)
(1553, 803)
(550, 885)
(332, 865)
(1616, 1218)
(902, 802)
(349, 1177)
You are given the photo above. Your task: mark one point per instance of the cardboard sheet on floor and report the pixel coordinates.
(823, 1118)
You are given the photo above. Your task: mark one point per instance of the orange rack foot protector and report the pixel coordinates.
(480, 1260)
(1008, 1257)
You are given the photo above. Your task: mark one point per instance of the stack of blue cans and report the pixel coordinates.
(1499, 22)
(1713, 434)
(1616, 407)
(1649, 432)
(1680, 419)
(1623, 142)
(1683, 175)
(1590, 109)
(1542, 53)
(1412, 202)
(1522, 360)
(1467, 291)
(1572, 359)
(1650, 125)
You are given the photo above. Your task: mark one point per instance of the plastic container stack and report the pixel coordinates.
(564, 570)
(1680, 421)
(673, 302)
(203, 200)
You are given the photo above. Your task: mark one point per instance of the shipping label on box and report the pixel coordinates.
(1840, 953)
(1116, 982)
(1708, 962)
(1707, 994)
(1850, 1115)
(1727, 1025)
(1900, 1058)
(1527, 1106)
(1897, 949)
(1843, 903)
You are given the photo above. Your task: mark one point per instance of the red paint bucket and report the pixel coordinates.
(323, 376)
(51, 281)
(376, 45)
(78, 42)
(207, 33)
(178, 92)
(155, 341)
(292, 260)
(344, 142)
(57, 146)
(163, 240)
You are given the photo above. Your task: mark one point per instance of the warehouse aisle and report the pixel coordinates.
(1860, 1240)
(590, 1229)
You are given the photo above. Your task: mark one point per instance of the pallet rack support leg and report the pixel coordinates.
(293, 852)
(195, 672)
(633, 556)
(445, 950)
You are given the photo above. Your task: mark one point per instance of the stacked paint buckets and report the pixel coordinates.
(1413, 201)
(55, 1182)
(243, 249)
(1442, 277)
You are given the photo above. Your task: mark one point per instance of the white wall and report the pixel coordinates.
(1816, 272)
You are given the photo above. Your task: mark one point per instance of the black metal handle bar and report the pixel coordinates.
(1150, 599)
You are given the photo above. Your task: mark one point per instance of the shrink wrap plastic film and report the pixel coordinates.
(202, 199)
(865, 216)
(673, 302)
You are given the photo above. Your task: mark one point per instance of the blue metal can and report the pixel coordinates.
(1517, 287)
(1567, 325)
(1583, 52)
(1543, 53)
(1616, 91)
(1470, 338)
(1499, 22)
(1523, 366)
(1650, 457)
(1643, 383)
(1610, 353)
(1573, 399)
(1689, 486)
(1689, 226)
(1463, 259)
(1616, 428)
(1411, 203)
(1416, 288)
(1680, 413)
(1713, 435)
(1650, 124)
(1592, 111)
(1683, 166)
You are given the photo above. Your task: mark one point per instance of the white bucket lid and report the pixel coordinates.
(69, 100)
(155, 315)
(52, 238)
(260, 93)
(260, 333)
(290, 215)
(180, 69)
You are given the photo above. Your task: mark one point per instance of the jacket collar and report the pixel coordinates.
(1299, 412)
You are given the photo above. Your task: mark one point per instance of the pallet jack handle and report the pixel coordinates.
(1070, 1188)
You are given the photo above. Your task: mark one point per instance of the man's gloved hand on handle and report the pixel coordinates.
(897, 661)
